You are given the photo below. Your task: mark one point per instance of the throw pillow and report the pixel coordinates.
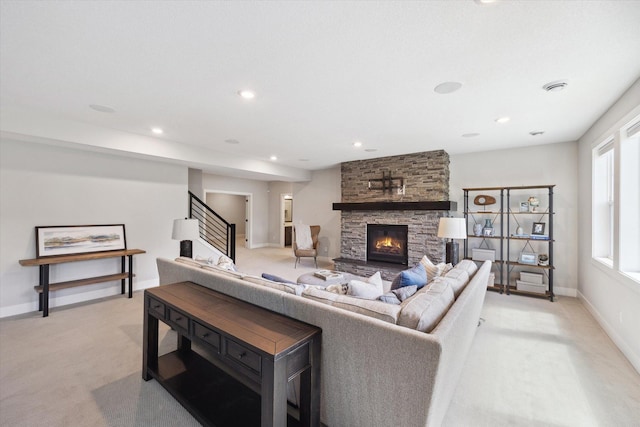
(226, 263)
(340, 288)
(371, 289)
(275, 278)
(389, 298)
(434, 270)
(416, 276)
(405, 292)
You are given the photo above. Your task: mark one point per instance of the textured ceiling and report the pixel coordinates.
(326, 74)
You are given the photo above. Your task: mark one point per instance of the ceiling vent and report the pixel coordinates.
(555, 86)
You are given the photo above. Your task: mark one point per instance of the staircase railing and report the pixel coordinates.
(213, 228)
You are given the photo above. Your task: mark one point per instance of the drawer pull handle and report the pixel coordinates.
(205, 335)
(178, 319)
(243, 354)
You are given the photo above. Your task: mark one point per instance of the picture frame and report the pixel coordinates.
(528, 258)
(538, 228)
(487, 232)
(79, 239)
(524, 206)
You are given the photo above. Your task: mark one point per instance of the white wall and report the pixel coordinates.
(259, 194)
(313, 205)
(47, 185)
(231, 207)
(612, 299)
(539, 165)
(276, 189)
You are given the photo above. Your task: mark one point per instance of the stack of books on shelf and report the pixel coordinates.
(539, 237)
(531, 282)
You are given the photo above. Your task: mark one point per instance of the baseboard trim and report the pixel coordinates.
(633, 358)
(61, 301)
(567, 292)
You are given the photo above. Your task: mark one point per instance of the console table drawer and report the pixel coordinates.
(207, 335)
(156, 307)
(244, 356)
(179, 319)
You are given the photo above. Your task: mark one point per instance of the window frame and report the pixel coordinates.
(613, 142)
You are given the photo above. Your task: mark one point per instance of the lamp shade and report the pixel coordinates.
(452, 228)
(185, 229)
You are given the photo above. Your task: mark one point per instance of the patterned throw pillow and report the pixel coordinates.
(416, 276)
(226, 263)
(340, 288)
(434, 270)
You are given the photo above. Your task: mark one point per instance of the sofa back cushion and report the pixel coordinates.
(290, 288)
(372, 308)
(423, 311)
(469, 266)
(458, 279)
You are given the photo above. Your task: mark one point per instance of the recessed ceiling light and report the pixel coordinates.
(102, 108)
(485, 2)
(273, 158)
(470, 135)
(536, 132)
(357, 144)
(232, 141)
(157, 131)
(555, 86)
(247, 94)
(502, 120)
(447, 87)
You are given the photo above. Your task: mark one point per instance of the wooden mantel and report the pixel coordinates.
(443, 205)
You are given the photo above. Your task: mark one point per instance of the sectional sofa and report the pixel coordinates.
(382, 364)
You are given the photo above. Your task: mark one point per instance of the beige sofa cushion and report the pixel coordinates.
(424, 311)
(190, 261)
(469, 266)
(223, 271)
(285, 287)
(372, 308)
(458, 279)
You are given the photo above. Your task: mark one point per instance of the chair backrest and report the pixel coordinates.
(315, 231)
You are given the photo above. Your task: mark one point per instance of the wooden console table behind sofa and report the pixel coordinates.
(253, 353)
(44, 263)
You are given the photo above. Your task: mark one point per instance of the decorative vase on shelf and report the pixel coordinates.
(477, 229)
(487, 223)
(533, 204)
(519, 231)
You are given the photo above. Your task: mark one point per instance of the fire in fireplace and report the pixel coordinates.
(387, 243)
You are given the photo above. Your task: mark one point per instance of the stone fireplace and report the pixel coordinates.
(425, 179)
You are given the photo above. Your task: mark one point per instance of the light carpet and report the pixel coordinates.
(532, 363)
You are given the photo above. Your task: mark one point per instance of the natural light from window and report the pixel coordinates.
(616, 201)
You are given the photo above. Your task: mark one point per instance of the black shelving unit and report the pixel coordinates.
(508, 262)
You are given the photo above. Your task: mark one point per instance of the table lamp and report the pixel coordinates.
(185, 230)
(452, 228)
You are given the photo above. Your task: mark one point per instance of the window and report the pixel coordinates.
(616, 201)
(603, 202)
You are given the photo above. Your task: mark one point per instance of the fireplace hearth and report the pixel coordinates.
(387, 243)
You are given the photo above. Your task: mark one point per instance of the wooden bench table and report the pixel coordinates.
(44, 262)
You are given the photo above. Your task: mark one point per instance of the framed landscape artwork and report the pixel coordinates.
(79, 239)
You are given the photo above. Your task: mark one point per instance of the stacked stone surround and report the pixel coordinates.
(426, 178)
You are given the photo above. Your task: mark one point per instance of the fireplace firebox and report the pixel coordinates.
(387, 243)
